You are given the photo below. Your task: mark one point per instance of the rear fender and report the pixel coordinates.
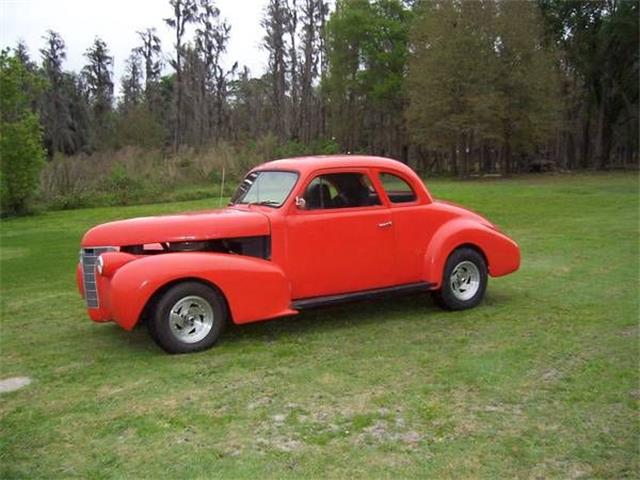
(255, 289)
(502, 253)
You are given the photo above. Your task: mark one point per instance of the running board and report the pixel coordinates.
(315, 302)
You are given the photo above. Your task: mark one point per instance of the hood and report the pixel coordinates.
(209, 225)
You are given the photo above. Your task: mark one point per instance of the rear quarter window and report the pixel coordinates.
(397, 189)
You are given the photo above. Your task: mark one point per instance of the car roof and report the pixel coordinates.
(312, 163)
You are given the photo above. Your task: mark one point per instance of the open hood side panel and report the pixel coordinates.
(210, 225)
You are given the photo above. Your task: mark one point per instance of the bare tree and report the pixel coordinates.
(292, 30)
(313, 12)
(151, 51)
(132, 90)
(274, 22)
(212, 37)
(184, 13)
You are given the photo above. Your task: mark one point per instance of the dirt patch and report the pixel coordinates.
(383, 431)
(631, 331)
(14, 383)
(279, 418)
(501, 408)
(278, 442)
(260, 403)
(551, 375)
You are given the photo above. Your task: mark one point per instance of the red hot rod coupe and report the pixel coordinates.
(298, 233)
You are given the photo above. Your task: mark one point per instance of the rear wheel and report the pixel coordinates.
(464, 281)
(190, 316)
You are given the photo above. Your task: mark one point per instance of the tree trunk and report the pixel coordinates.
(506, 161)
(454, 159)
(585, 151)
(599, 159)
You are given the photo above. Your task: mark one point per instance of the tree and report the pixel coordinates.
(274, 22)
(619, 123)
(54, 108)
(212, 37)
(367, 53)
(313, 13)
(250, 114)
(184, 13)
(63, 105)
(480, 79)
(21, 52)
(526, 81)
(21, 151)
(80, 127)
(599, 43)
(294, 83)
(97, 75)
(132, 90)
(151, 51)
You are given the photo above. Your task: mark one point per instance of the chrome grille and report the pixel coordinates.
(89, 258)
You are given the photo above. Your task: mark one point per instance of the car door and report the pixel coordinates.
(411, 227)
(339, 237)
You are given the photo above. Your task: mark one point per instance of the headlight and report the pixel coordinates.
(99, 264)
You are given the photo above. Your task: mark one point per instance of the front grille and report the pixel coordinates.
(89, 257)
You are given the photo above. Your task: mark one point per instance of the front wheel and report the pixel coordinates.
(190, 316)
(464, 281)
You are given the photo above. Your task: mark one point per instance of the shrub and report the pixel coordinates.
(266, 147)
(21, 152)
(294, 148)
(325, 146)
(22, 159)
(134, 174)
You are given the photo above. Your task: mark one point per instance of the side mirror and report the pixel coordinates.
(301, 203)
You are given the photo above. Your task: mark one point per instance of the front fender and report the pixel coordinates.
(255, 289)
(502, 253)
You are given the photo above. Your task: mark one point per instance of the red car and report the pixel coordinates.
(298, 233)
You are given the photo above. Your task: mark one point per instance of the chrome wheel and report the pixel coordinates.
(465, 280)
(191, 319)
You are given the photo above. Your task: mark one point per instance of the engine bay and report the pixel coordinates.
(259, 247)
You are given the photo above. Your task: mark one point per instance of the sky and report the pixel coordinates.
(116, 22)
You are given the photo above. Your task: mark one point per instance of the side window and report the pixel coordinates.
(340, 190)
(397, 189)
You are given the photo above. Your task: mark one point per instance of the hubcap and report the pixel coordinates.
(465, 280)
(191, 319)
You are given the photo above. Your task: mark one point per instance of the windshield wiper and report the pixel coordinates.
(268, 203)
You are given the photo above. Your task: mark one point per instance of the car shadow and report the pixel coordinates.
(311, 322)
(334, 318)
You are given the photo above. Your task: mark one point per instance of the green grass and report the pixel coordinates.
(540, 381)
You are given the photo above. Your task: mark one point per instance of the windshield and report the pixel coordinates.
(270, 188)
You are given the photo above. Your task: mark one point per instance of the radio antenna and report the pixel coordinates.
(221, 189)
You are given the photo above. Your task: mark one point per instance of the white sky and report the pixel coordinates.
(116, 22)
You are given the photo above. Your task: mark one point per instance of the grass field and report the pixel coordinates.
(540, 381)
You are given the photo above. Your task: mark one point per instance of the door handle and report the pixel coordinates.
(385, 224)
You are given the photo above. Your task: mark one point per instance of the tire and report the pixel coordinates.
(468, 265)
(188, 317)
